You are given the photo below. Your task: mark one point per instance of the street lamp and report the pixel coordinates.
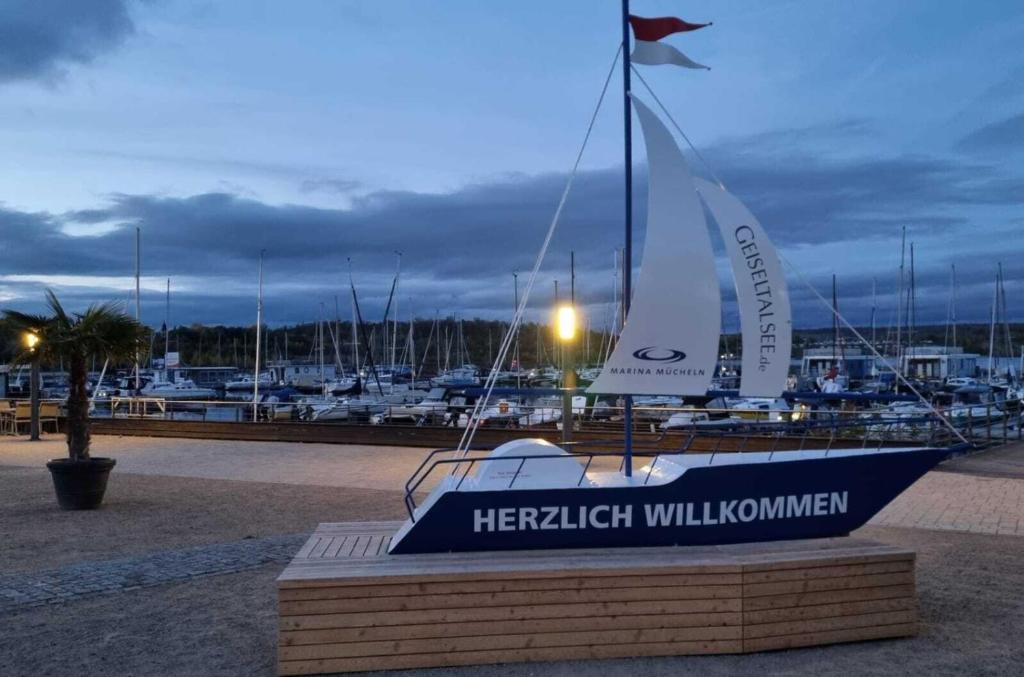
(565, 322)
(31, 340)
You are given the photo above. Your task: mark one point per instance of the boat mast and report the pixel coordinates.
(627, 252)
(394, 325)
(320, 348)
(519, 366)
(992, 331)
(259, 324)
(835, 325)
(138, 298)
(954, 320)
(1005, 319)
(167, 325)
(949, 313)
(355, 329)
(899, 310)
(874, 304)
(911, 307)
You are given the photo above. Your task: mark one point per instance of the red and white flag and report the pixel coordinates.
(648, 49)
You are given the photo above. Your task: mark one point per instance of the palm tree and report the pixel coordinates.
(103, 331)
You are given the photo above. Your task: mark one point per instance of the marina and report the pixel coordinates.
(511, 339)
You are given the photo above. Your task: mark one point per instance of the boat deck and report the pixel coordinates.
(345, 605)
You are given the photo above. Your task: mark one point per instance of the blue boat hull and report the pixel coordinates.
(806, 498)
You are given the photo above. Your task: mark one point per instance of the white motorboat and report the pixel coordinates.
(247, 382)
(690, 417)
(466, 375)
(429, 409)
(759, 408)
(180, 389)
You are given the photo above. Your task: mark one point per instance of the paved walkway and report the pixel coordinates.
(944, 500)
(131, 573)
(982, 493)
(332, 465)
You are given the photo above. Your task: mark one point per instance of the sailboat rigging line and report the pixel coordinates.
(877, 354)
(474, 420)
(679, 129)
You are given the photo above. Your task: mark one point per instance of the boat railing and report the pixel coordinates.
(463, 466)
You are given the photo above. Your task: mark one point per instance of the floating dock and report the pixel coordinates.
(346, 605)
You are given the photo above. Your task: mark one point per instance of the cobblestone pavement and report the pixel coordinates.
(982, 494)
(130, 573)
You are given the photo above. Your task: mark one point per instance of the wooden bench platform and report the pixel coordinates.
(346, 605)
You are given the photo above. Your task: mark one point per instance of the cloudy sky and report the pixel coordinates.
(331, 130)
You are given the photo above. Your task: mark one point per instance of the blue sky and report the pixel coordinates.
(327, 130)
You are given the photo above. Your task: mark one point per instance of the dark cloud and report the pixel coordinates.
(38, 38)
(1004, 135)
(460, 248)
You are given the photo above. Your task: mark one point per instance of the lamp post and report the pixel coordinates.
(566, 323)
(31, 340)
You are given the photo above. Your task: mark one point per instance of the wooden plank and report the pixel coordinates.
(803, 627)
(774, 575)
(334, 573)
(380, 526)
(407, 661)
(502, 599)
(337, 544)
(321, 547)
(832, 637)
(829, 610)
(428, 630)
(837, 558)
(485, 614)
(373, 546)
(507, 642)
(505, 585)
(754, 590)
(827, 597)
(304, 551)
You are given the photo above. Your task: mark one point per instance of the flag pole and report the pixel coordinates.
(627, 263)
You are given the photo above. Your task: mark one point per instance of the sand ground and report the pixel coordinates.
(183, 493)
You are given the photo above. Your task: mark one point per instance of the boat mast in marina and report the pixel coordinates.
(899, 309)
(259, 324)
(1005, 319)
(951, 309)
(992, 331)
(515, 350)
(138, 298)
(394, 320)
(167, 323)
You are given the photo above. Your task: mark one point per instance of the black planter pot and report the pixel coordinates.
(80, 485)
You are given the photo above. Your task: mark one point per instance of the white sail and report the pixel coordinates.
(761, 292)
(669, 345)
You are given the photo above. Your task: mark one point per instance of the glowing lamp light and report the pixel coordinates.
(566, 323)
(31, 340)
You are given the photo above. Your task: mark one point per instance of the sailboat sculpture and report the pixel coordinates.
(531, 494)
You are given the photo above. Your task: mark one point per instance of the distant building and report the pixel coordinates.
(206, 377)
(938, 362)
(301, 374)
(851, 362)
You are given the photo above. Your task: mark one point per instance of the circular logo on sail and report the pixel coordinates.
(655, 354)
